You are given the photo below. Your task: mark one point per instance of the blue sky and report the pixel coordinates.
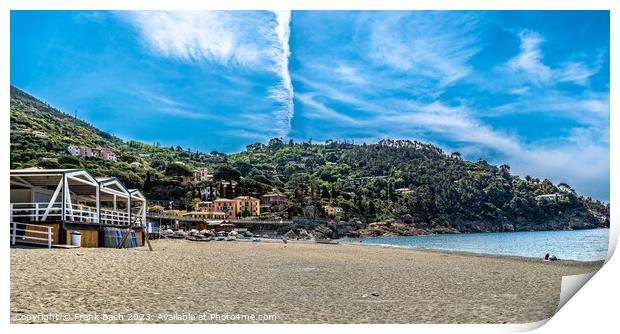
(528, 88)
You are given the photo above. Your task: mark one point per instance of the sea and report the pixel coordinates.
(580, 245)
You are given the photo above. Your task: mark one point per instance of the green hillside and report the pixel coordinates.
(40, 135)
(393, 181)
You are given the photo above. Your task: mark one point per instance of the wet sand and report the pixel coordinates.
(260, 282)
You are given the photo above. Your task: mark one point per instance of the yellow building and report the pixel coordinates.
(333, 211)
(247, 206)
(329, 210)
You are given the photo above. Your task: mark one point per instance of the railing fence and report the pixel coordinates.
(27, 236)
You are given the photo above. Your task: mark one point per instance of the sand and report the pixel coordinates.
(259, 282)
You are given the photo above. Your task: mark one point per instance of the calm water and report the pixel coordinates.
(582, 245)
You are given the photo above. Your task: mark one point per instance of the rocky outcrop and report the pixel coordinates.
(568, 220)
(298, 234)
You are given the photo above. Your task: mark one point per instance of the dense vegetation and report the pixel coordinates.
(408, 181)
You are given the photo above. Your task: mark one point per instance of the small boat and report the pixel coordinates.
(326, 241)
(197, 239)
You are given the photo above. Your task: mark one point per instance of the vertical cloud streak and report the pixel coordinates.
(283, 93)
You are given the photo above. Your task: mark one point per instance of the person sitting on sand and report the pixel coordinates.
(547, 257)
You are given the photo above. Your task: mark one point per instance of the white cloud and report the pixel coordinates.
(216, 36)
(284, 91)
(529, 60)
(254, 40)
(529, 63)
(576, 72)
(318, 110)
(350, 74)
(432, 45)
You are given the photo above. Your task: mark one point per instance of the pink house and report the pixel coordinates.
(108, 155)
(225, 205)
(276, 201)
(86, 151)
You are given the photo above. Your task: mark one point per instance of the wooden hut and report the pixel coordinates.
(48, 204)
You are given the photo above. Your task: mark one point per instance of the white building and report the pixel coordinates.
(73, 150)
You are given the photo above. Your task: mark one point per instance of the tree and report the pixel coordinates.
(177, 169)
(226, 173)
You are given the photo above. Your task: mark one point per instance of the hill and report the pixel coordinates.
(41, 134)
(400, 186)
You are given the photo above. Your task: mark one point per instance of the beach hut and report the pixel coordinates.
(46, 205)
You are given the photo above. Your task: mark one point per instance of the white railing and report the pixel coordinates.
(35, 211)
(46, 231)
(82, 213)
(115, 217)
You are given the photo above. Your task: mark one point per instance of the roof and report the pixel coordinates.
(224, 200)
(46, 171)
(137, 194)
(204, 213)
(50, 177)
(106, 182)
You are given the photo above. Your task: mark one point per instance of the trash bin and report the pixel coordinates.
(76, 238)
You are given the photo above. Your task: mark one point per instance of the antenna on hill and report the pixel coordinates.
(75, 114)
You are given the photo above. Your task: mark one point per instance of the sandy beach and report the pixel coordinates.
(261, 282)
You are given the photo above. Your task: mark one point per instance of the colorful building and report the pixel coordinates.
(225, 205)
(107, 155)
(247, 206)
(206, 206)
(334, 211)
(198, 174)
(274, 201)
(73, 150)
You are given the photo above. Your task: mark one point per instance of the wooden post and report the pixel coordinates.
(97, 206)
(49, 237)
(70, 204)
(127, 233)
(144, 212)
(129, 209)
(13, 234)
(146, 237)
(64, 198)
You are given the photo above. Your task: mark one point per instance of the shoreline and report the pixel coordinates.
(488, 255)
(368, 241)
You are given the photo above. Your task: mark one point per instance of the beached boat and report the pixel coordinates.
(326, 241)
(220, 236)
(198, 239)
